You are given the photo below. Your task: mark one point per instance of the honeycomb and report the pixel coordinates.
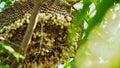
(49, 46)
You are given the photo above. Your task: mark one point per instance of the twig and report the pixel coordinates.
(31, 26)
(28, 34)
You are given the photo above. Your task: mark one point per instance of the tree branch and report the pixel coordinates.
(28, 34)
(31, 26)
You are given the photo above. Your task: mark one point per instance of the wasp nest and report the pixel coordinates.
(49, 40)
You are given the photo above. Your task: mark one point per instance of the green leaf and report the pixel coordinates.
(1, 49)
(4, 58)
(12, 51)
(4, 66)
(7, 1)
(77, 22)
(101, 9)
(69, 63)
